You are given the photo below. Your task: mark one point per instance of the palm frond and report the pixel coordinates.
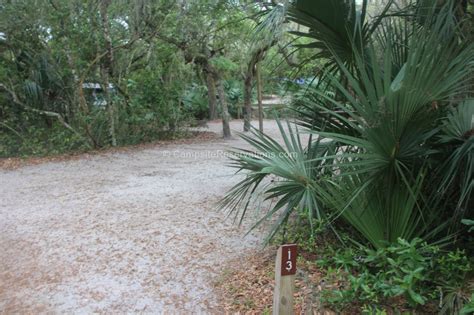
(457, 139)
(293, 170)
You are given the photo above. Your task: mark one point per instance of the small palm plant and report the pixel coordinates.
(393, 156)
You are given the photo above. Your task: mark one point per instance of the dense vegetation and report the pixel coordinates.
(167, 64)
(389, 166)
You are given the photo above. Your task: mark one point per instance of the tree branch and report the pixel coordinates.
(58, 116)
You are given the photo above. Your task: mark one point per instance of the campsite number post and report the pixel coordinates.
(285, 270)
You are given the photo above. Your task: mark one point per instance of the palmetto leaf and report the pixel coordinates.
(392, 111)
(295, 172)
(457, 137)
(337, 28)
(395, 122)
(383, 161)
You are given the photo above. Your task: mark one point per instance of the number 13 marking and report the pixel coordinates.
(289, 265)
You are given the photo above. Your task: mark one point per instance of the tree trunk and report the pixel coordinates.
(224, 109)
(259, 97)
(248, 99)
(257, 56)
(211, 94)
(107, 69)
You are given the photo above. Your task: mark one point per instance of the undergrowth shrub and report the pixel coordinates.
(419, 273)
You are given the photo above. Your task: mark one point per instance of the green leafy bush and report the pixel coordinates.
(154, 109)
(416, 271)
(234, 93)
(195, 102)
(39, 141)
(469, 307)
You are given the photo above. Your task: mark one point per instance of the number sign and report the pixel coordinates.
(288, 259)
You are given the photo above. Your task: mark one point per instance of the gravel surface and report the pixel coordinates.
(120, 232)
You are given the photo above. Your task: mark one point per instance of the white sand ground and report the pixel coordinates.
(119, 232)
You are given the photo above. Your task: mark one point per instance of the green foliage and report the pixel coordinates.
(161, 51)
(195, 102)
(469, 223)
(469, 307)
(336, 31)
(294, 168)
(298, 231)
(154, 108)
(401, 276)
(373, 310)
(38, 141)
(394, 145)
(453, 267)
(224, 64)
(389, 154)
(235, 95)
(451, 275)
(414, 270)
(396, 270)
(385, 141)
(456, 142)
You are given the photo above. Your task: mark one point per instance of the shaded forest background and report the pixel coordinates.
(166, 65)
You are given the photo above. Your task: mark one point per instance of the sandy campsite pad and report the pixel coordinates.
(119, 232)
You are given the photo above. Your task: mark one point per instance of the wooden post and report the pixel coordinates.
(285, 270)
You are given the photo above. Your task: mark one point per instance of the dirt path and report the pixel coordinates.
(120, 232)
